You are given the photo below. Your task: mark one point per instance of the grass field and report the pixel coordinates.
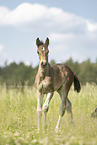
(18, 118)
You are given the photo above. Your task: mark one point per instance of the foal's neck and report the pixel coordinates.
(44, 71)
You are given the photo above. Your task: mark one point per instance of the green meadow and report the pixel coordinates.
(18, 118)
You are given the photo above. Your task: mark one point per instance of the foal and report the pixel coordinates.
(58, 77)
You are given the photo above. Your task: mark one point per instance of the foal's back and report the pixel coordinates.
(62, 75)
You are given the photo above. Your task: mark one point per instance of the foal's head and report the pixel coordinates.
(42, 52)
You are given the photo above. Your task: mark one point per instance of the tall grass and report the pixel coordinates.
(18, 118)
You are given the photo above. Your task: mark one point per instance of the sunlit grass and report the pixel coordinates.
(18, 118)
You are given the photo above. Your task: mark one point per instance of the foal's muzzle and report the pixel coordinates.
(43, 63)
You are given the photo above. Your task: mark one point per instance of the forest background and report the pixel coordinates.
(14, 74)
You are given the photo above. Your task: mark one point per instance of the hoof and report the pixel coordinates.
(57, 129)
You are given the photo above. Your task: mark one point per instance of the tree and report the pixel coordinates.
(52, 62)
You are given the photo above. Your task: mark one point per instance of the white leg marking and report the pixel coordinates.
(39, 103)
(39, 109)
(58, 123)
(46, 104)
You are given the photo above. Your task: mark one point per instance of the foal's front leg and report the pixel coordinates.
(46, 104)
(39, 107)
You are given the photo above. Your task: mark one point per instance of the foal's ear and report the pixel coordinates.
(37, 42)
(47, 41)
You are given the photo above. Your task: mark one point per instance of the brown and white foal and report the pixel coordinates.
(58, 77)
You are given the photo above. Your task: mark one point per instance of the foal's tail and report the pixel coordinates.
(77, 86)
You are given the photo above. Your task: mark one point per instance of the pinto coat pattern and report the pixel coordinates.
(58, 77)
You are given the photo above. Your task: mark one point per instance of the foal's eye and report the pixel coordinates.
(43, 49)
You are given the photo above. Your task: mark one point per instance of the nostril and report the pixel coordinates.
(41, 62)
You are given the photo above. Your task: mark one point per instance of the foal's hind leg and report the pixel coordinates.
(63, 95)
(63, 92)
(69, 107)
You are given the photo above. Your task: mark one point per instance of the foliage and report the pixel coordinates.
(86, 71)
(18, 118)
(14, 74)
